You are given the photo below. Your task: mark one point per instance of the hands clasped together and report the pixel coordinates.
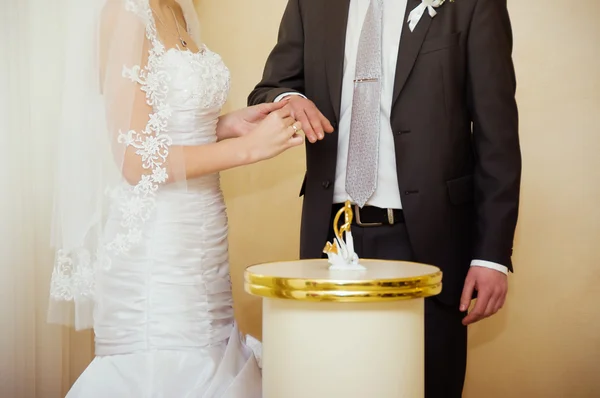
(271, 128)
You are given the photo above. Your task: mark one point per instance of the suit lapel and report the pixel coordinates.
(336, 17)
(410, 45)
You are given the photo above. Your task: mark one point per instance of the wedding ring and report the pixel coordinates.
(297, 129)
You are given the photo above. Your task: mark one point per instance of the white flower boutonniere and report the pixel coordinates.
(430, 5)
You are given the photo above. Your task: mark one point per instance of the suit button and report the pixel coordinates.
(326, 184)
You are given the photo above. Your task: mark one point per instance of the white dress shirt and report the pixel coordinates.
(387, 193)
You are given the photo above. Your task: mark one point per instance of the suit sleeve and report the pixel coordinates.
(491, 93)
(284, 70)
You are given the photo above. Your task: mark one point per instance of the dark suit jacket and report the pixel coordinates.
(454, 120)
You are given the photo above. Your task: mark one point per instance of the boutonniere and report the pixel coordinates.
(430, 5)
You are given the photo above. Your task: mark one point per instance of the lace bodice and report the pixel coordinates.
(197, 88)
(196, 80)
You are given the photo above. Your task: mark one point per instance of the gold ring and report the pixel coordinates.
(295, 128)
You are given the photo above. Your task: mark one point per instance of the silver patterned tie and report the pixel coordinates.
(363, 149)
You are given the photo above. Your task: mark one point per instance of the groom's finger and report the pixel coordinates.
(295, 140)
(315, 121)
(327, 126)
(302, 117)
(294, 129)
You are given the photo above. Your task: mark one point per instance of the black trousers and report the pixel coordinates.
(445, 335)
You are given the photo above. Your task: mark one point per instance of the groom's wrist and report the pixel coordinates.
(287, 94)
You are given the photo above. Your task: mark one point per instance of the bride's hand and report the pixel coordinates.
(275, 134)
(243, 121)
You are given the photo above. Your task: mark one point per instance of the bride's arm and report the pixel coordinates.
(264, 140)
(192, 161)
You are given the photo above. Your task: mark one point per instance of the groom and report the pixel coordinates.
(424, 140)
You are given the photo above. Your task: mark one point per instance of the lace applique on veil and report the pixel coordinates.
(74, 269)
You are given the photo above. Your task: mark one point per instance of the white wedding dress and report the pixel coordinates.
(163, 320)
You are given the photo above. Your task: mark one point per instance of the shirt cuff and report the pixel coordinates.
(282, 96)
(491, 265)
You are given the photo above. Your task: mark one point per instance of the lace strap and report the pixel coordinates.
(152, 143)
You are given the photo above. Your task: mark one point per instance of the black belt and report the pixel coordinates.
(371, 216)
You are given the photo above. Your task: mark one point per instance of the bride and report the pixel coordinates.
(140, 221)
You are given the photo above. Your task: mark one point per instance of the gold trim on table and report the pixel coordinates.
(342, 290)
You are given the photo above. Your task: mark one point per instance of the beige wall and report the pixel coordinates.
(546, 342)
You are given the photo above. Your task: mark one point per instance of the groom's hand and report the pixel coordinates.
(314, 124)
(491, 286)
